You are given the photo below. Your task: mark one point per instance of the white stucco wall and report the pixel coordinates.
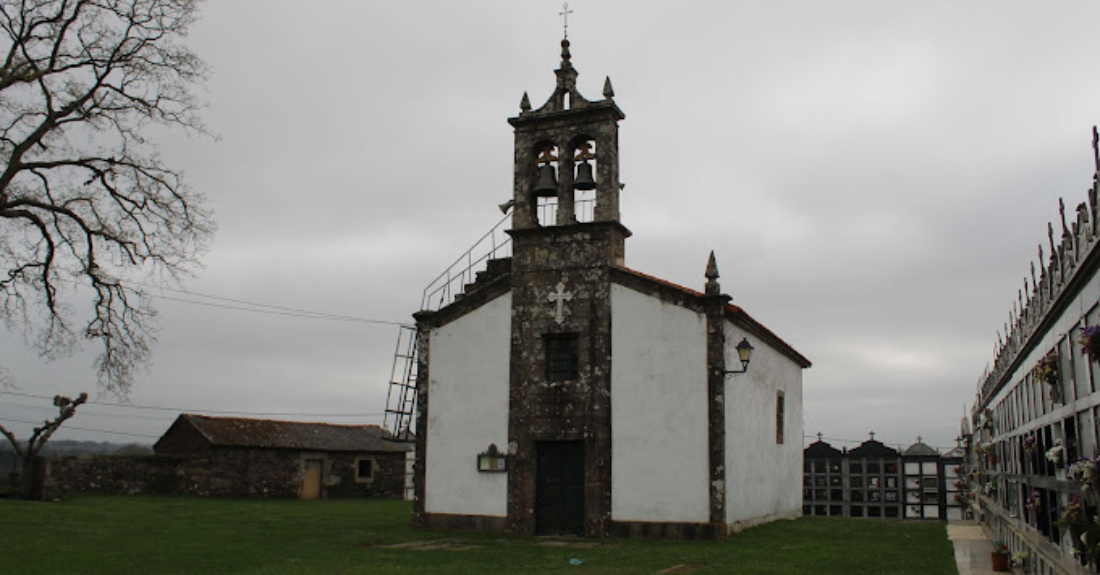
(468, 367)
(763, 478)
(659, 463)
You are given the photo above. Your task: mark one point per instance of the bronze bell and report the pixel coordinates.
(547, 184)
(584, 180)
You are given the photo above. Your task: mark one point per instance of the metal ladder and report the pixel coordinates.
(401, 399)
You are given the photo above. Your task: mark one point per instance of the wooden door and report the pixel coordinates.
(311, 479)
(559, 488)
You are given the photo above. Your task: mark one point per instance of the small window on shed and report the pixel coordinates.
(364, 469)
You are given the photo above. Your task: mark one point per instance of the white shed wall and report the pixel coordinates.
(659, 466)
(763, 478)
(468, 365)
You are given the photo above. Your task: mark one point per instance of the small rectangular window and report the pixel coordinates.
(364, 469)
(561, 357)
(780, 415)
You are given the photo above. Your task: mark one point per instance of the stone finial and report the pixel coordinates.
(1062, 212)
(819, 436)
(712, 276)
(525, 103)
(608, 91)
(872, 436)
(1050, 237)
(1095, 148)
(565, 55)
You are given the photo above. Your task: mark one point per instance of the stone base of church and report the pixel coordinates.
(659, 530)
(461, 522)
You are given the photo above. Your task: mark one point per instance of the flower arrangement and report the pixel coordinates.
(1034, 501)
(1086, 472)
(1000, 548)
(1090, 341)
(1057, 454)
(1047, 368)
(987, 419)
(1084, 531)
(1048, 372)
(1019, 559)
(1072, 514)
(990, 453)
(1030, 445)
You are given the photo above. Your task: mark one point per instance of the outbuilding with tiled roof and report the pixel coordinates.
(285, 459)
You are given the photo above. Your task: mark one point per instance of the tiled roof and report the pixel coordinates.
(735, 313)
(872, 448)
(921, 449)
(821, 450)
(265, 433)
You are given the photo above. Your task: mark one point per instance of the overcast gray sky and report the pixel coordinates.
(874, 177)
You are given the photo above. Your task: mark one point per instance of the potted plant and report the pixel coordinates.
(1090, 341)
(1020, 559)
(1000, 556)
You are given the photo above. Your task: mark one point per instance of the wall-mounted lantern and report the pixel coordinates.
(492, 460)
(744, 353)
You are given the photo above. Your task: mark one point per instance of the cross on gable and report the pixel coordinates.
(565, 12)
(559, 297)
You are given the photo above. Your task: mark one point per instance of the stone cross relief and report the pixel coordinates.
(559, 297)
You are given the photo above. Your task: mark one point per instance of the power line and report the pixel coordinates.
(216, 411)
(74, 428)
(265, 308)
(86, 413)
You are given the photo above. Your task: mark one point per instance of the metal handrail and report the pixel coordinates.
(462, 270)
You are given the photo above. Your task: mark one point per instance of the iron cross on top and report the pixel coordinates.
(559, 297)
(565, 12)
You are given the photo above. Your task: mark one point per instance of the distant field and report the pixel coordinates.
(148, 536)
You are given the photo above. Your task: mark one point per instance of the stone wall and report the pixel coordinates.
(233, 473)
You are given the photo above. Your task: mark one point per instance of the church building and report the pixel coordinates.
(566, 393)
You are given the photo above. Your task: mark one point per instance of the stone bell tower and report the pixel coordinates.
(559, 422)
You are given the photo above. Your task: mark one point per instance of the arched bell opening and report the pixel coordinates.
(584, 179)
(545, 187)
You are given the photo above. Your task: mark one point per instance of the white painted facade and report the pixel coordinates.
(763, 477)
(659, 432)
(468, 410)
(659, 463)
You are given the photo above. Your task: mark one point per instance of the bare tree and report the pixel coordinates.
(29, 453)
(86, 205)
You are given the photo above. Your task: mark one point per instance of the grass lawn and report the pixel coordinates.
(154, 535)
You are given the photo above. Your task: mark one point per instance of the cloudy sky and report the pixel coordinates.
(873, 176)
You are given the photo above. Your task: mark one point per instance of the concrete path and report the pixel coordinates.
(972, 548)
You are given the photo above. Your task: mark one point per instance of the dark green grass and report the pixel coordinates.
(145, 535)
